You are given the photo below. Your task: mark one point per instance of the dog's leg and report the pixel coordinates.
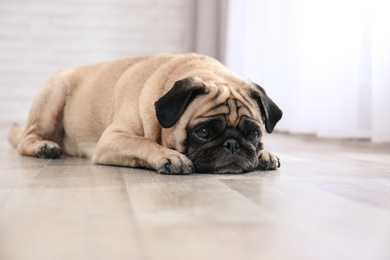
(268, 161)
(123, 149)
(44, 121)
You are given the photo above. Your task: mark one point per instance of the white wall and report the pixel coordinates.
(39, 37)
(210, 17)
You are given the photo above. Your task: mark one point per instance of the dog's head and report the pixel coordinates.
(219, 126)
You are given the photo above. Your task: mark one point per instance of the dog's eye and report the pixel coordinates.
(202, 133)
(253, 136)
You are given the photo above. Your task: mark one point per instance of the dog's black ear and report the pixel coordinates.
(270, 111)
(171, 106)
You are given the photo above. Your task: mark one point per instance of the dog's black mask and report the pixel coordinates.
(215, 147)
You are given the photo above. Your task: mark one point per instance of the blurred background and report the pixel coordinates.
(325, 63)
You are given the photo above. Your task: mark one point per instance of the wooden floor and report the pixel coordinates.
(329, 200)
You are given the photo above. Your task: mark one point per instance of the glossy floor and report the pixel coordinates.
(329, 200)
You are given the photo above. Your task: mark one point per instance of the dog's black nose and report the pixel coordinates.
(231, 145)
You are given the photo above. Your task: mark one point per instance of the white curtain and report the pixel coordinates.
(326, 63)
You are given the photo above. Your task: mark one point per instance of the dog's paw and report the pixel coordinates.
(175, 163)
(48, 150)
(268, 161)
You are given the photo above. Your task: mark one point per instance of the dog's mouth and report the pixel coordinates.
(223, 159)
(225, 165)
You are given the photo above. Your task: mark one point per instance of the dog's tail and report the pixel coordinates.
(15, 135)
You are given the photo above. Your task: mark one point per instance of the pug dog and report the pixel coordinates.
(174, 113)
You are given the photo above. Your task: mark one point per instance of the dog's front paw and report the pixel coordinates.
(48, 150)
(268, 161)
(175, 163)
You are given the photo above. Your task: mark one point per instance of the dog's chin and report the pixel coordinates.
(225, 164)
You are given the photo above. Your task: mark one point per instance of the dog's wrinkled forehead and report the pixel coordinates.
(236, 111)
(232, 101)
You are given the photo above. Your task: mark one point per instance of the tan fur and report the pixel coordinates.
(106, 111)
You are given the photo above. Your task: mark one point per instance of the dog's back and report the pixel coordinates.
(76, 105)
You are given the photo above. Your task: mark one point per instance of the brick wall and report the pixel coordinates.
(39, 37)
